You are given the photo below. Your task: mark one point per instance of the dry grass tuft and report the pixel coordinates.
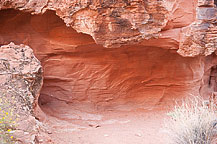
(193, 122)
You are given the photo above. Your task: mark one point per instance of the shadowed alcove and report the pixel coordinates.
(80, 73)
(91, 93)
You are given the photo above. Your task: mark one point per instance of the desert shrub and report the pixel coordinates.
(193, 122)
(8, 119)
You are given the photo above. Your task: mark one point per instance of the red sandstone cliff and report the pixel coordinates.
(116, 55)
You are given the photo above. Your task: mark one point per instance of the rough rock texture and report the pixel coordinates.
(20, 84)
(77, 70)
(22, 72)
(113, 23)
(115, 56)
(200, 38)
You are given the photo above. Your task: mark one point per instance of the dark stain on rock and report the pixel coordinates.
(126, 2)
(106, 3)
(115, 14)
(122, 22)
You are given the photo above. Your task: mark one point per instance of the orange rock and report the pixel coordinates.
(20, 84)
(115, 55)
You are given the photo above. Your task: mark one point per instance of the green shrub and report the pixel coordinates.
(193, 122)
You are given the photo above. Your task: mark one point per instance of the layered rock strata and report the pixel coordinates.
(79, 69)
(114, 23)
(106, 55)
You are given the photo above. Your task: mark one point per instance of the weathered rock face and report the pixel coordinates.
(115, 55)
(114, 23)
(20, 85)
(21, 72)
(200, 38)
(78, 71)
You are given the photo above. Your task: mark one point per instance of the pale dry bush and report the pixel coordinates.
(193, 122)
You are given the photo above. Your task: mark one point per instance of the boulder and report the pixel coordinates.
(20, 84)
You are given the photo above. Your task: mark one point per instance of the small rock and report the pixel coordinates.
(138, 134)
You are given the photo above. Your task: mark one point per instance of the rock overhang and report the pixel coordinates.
(110, 23)
(142, 69)
(141, 24)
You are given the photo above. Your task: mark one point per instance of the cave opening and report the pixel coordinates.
(81, 75)
(87, 87)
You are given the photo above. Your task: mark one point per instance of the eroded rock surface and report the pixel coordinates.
(114, 60)
(20, 85)
(113, 23)
(200, 38)
(77, 70)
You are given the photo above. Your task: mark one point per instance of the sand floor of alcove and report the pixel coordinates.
(72, 126)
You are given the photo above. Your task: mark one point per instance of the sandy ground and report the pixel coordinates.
(72, 126)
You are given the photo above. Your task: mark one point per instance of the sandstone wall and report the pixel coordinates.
(125, 54)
